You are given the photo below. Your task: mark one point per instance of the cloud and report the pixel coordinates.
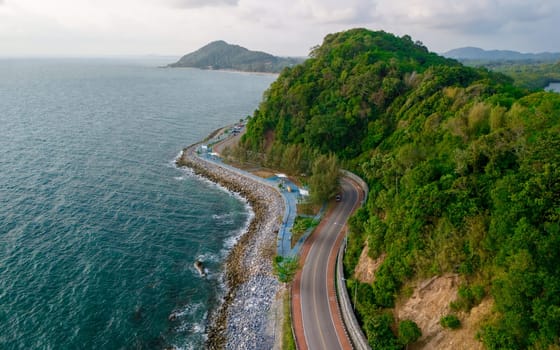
(189, 4)
(480, 16)
(349, 12)
(284, 27)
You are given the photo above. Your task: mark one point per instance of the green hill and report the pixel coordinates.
(478, 54)
(463, 170)
(221, 55)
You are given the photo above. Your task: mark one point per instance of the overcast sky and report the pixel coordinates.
(281, 27)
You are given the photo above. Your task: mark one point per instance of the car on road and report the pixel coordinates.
(338, 198)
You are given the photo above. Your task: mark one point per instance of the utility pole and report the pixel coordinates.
(355, 293)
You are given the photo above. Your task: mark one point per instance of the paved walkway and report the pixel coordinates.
(284, 245)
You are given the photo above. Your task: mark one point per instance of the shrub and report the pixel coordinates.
(408, 332)
(450, 321)
(285, 268)
(468, 296)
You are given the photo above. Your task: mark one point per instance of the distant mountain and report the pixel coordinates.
(221, 55)
(478, 54)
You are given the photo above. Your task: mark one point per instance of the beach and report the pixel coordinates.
(247, 316)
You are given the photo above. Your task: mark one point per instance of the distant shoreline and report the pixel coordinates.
(224, 70)
(553, 86)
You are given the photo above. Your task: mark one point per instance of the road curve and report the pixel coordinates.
(317, 321)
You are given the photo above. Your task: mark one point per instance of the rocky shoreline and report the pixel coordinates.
(246, 317)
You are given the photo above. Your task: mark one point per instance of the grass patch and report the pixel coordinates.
(308, 208)
(301, 225)
(288, 341)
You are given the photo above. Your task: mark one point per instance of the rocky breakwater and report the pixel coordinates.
(245, 320)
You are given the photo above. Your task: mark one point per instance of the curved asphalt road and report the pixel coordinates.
(314, 288)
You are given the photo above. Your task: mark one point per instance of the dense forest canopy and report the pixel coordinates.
(463, 169)
(530, 75)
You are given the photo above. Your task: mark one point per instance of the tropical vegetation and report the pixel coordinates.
(529, 75)
(464, 175)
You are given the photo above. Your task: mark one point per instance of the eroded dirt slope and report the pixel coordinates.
(428, 303)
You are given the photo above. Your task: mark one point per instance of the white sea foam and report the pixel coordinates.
(185, 174)
(173, 163)
(232, 240)
(229, 242)
(177, 157)
(188, 310)
(199, 327)
(190, 173)
(222, 216)
(189, 326)
(211, 257)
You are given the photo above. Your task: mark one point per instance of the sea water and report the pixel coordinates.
(98, 229)
(553, 87)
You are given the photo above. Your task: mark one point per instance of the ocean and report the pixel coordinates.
(553, 87)
(98, 228)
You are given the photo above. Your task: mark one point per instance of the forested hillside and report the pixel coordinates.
(464, 176)
(221, 55)
(528, 75)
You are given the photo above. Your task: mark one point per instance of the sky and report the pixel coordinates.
(281, 27)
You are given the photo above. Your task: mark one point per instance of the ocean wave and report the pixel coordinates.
(173, 163)
(188, 310)
(208, 257)
(222, 216)
(230, 242)
(192, 323)
(186, 173)
(191, 174)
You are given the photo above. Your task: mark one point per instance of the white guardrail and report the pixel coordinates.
(359, 181)
(357, 337)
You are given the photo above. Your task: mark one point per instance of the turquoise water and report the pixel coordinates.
(98, 229)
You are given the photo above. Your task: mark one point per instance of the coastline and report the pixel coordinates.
(227, 70)
(244, 317)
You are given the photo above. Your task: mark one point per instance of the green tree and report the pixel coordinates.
(377, 326)
(324, 181)
(408, 332)
(285, 268)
